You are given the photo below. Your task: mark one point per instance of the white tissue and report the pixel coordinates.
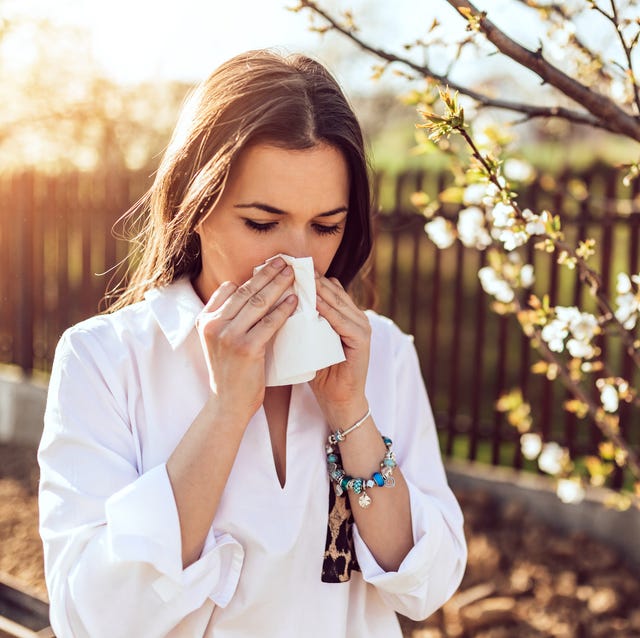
(306, 342)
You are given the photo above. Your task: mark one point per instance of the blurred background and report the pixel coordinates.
(90, 92)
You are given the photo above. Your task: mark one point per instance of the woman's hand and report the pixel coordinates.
(234, 327)
(339, 389)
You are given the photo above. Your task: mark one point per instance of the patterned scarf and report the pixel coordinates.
(339, 553)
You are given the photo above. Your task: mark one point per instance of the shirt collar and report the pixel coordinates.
(175, 307)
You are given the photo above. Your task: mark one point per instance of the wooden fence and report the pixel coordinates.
(56, 239)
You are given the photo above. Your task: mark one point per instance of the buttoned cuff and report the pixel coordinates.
(143, 526)
(412, 574)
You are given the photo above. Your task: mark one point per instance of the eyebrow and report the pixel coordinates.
(277, 211)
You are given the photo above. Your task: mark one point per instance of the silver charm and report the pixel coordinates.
(389, 481)
(364, 501)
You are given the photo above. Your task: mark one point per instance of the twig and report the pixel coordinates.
(587, 274)
(530, 111)
(566, 16)
(594, 410)
(600, 106)
(627, 52)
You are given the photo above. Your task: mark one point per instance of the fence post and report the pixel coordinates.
(23, 196)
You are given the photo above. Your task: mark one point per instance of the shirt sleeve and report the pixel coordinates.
(432, 570)
(111, 536)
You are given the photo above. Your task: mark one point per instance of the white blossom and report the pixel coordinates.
(492, 193)
(503, 215)
(567, 313)
(609, 397)
(471, 228)
(527, 276)
(583, 326)
(535, 225)
(570, 491)
(495, 285)
(619, 89)
(531, 445)
(623, 283)
(580, 349)
(474, 194)
(440, 232)
(628, 303)
(518, 170)
(627, 311)
(511, 240)
(551, 458)
(554, 334)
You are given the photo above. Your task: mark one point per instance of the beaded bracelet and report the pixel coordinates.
(339, 435)
(342, 482)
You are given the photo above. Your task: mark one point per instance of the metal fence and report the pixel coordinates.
(56, 237)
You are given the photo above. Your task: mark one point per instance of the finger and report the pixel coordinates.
(266, 327)
(345, 326)
(252, 288)
(331, 292)
(220, 295)
(264, 301)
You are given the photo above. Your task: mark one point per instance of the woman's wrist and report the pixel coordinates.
(224, 417)
(343, 416)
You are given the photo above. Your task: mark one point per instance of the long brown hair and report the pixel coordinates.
(292, 102)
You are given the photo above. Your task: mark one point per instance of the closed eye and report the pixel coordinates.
(259, 227)
(323, 229)
(265, 227)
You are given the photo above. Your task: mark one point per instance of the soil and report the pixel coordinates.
(523, 580)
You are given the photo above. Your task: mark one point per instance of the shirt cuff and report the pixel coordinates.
(143, 526)
(412, 575)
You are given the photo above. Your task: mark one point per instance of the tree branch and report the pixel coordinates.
(600, 106)
(627, 52)
(594, 410)
(531, 112)
(565, 16)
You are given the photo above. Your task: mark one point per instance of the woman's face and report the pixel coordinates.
(275, 201)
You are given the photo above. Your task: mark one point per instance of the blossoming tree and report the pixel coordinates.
(589, 87)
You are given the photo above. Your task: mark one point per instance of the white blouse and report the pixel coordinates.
(124, 389)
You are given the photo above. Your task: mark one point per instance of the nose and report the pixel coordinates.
(297, 244)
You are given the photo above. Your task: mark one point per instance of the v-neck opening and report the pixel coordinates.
(281, 485)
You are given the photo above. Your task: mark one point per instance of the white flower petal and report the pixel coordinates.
(474, 194)
(551, 457)
(503, 215)
(570, 491)
(527, 276)
(580, 349)
(518, 170)
(609, 398)
(440, 232)
(623, 283)
(531, 445)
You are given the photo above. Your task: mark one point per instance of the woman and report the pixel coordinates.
(179, 495)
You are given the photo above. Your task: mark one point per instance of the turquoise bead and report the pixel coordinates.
(357, 486)
(378, 478)
(332, 458)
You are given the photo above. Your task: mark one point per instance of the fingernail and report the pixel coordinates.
(287, 271)
(277, 263)
(290, 299)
